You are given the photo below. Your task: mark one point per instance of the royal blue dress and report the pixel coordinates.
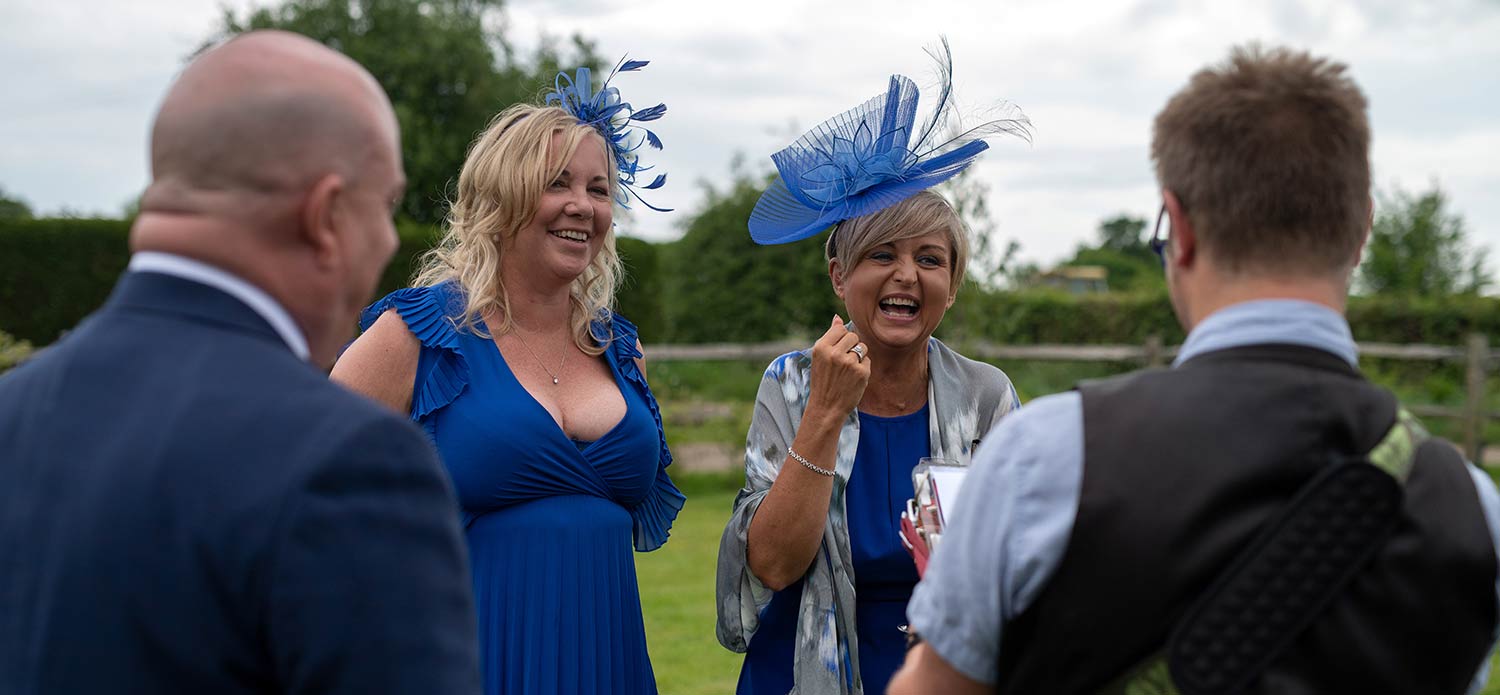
(884, 574)
(550, 522)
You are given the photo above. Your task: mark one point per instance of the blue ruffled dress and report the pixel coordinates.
(550, 522)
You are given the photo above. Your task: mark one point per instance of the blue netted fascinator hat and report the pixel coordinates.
(616, 122)
(870, 158)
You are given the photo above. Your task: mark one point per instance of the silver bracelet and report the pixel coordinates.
(810, 466)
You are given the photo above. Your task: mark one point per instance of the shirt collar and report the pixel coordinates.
(254, 297)
(1284, 321)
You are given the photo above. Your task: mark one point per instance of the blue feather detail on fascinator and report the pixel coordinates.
(617, 122)
(867, 159)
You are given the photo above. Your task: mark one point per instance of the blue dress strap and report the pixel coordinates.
(652, 518)
(442, 371)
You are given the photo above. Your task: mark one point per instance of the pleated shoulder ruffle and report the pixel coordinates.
(428, 312)
(653, 517)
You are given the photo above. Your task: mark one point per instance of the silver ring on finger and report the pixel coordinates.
(859, 351)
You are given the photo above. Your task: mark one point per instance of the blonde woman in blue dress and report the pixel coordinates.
(534, 392)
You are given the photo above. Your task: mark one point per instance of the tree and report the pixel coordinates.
(1417, 247)
(720, 286)
(447, 70)
(968, 195)
(1124, 251)
(13, 208)
(1011, 272)
(1123, 233)
(640, 296)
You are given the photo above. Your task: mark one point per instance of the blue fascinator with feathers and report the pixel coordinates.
(870, 158)
(616, 121)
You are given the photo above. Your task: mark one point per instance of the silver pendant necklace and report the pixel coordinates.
(538, 359)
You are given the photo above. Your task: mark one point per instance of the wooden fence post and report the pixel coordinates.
(1474, 412)
(1153, 350)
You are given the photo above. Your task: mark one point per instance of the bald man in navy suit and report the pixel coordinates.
(186, 503)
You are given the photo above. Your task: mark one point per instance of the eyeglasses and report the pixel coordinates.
(1159, 242)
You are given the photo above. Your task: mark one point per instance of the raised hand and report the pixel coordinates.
(840, 371)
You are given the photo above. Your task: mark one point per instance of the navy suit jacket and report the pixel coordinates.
(185, 506)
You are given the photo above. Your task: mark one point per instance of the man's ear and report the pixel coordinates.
(836, 275)
(320, 219)
(1182, 239)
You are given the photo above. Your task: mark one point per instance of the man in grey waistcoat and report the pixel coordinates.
(1108, 511)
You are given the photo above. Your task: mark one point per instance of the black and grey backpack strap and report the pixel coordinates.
(1283, 581)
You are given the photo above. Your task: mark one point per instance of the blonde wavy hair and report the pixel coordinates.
(499, 189)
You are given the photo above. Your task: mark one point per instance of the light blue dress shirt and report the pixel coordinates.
(1030, 471)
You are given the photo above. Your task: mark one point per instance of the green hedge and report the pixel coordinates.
(640, 293)
(54, 272)
(1048, 317)
(1054, 317)
(415, 240)
(1435, 320)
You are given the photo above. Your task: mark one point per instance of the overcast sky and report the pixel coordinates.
(82, 79)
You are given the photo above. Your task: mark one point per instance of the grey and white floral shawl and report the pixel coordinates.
(965, 398)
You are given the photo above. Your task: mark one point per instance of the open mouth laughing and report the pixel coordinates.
(899, 306)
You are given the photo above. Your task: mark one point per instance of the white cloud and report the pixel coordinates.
(742, 78)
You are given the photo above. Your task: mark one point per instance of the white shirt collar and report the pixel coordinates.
(252, 296)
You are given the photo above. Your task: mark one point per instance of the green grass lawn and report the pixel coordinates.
(677, 594)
